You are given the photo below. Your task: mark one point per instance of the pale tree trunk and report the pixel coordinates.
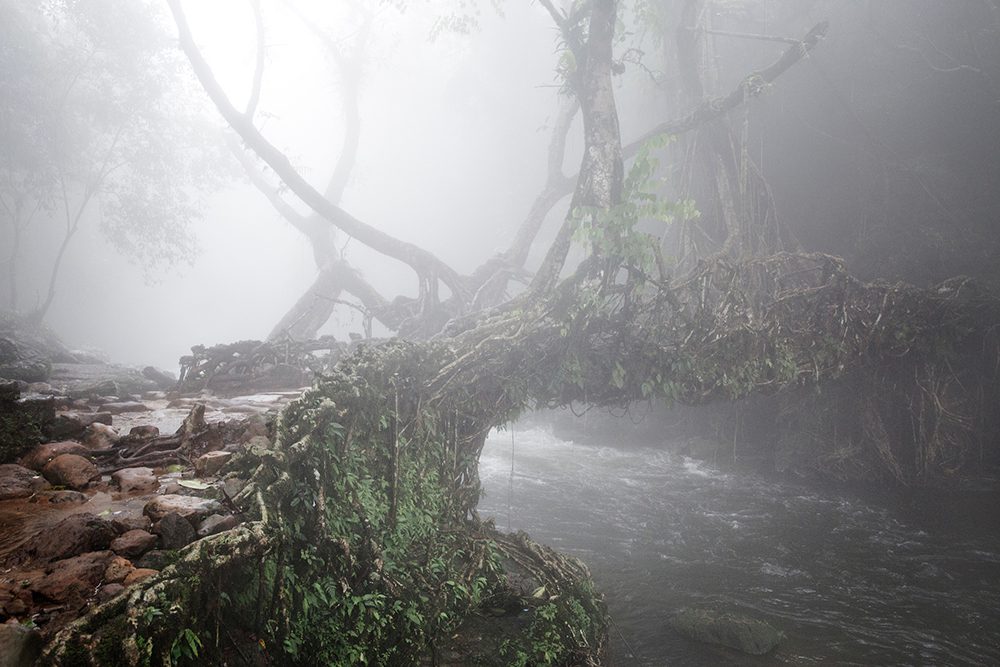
(601, 173)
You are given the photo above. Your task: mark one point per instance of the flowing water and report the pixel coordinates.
(850, 579)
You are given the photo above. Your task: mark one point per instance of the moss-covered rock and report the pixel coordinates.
(723, 628)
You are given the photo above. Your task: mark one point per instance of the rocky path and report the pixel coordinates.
(78, 524)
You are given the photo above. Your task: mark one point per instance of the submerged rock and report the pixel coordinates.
(735, 631)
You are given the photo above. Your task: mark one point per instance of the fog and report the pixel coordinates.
(454, 128)
(700, 292)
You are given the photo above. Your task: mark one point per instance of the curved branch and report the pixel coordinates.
(426, 265)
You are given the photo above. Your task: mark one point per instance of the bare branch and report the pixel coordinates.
(258, 73)
(427, 266)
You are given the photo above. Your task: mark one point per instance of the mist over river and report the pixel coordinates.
(849, 578)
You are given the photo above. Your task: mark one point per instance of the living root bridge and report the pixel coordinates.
(362, 542)
(921, 364)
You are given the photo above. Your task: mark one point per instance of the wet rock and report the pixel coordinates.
(100, 436)
(175, 531)
(26, 370)
(122, 407)
(133, 543)
(135, 480)
(138, 574)
(211, 463)
(65, 497)
(117, 570)
(126, 522)
(216, 524)
(162, 379)
(70, 470)
(144, 432)
(192, 508)
(20, 645)
(43, 388)
(38, 457)
(75, 579)
(72, 425)
(16, 481)
(76, 534)
(745, 634)
(109, 591)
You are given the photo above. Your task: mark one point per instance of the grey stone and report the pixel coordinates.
(192, 508)
(217, 524)
(135, 480)
(175, 531)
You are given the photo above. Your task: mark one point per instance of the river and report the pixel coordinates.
(851, 578)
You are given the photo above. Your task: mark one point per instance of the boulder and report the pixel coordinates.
(745, 634)
(134, 543)
(73, 425)
(20, 645)
(135, 480)
(137, 575)
(73, 580)
(128, 521)
(121, 407)
(117, 570)
(175, 531)
(38, 457)
(100, 436)
(211, 463)
(70, 470)
(192, 508)
(16, 481)
(162, 379)
(76, 534)
(216, 524)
